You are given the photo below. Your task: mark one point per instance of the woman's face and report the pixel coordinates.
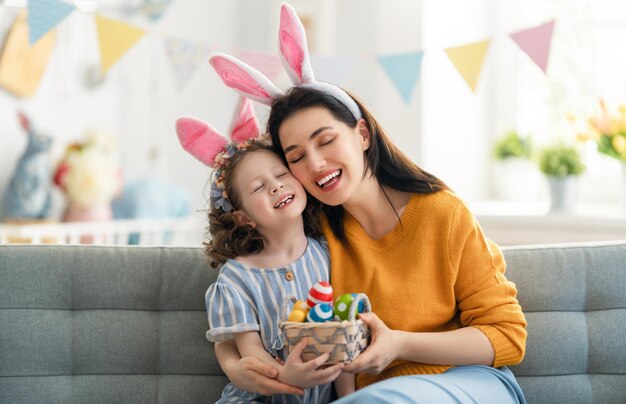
(324, 154)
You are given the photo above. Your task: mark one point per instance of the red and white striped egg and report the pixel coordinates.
(321, 292)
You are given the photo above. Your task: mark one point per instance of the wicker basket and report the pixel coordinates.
(345, 340)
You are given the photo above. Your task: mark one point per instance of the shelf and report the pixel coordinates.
(509, 223)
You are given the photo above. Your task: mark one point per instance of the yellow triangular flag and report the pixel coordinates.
(468, 60)
(22, 65)
(115, 38)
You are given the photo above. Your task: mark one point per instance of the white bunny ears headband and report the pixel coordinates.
(294, 53)
(207, 145)
(213, 149)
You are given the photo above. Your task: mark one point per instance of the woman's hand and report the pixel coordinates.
(382, 349)
(256, 376)
(250, 373)
(307, 374)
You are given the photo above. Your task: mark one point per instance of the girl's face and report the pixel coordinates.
(324, 154)
(269, 194)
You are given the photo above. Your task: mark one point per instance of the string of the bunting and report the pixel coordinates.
(115, 38)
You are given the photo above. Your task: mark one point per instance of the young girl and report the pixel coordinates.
(447, 321)
(258, 239)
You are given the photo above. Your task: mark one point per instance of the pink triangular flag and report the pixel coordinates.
(536, 43)
(267, 63)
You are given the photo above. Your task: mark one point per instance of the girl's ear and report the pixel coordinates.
(366, 136)
(243, 219)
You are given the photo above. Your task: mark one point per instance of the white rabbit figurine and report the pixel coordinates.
(28, 195)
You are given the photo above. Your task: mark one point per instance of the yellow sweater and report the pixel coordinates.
(435, 271)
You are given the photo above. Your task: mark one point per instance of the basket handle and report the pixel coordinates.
(367, 306)
(284, 307)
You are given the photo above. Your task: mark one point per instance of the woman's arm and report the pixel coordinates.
(294, 371)
(250, 373)
(464, 346)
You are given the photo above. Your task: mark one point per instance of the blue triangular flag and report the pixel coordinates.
(403, 70)
(43, 15)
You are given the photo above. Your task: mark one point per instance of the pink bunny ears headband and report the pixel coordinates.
(213, 149)
(294, 52)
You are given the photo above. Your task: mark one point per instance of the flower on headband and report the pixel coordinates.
(218, 191)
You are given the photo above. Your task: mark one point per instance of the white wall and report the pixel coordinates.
(446, 128)
(140, 102)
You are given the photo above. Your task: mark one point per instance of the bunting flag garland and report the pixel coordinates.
(267, 63)
(334, 70)
(468, 60)
(403, 70)
(22, 65)
(536, 43)
(114, 39)
(43, 15)
(185, 57)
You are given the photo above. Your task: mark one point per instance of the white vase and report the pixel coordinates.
(563, 193)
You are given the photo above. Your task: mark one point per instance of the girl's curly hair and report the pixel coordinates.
(228, 238)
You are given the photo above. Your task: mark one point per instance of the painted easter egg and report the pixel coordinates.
(361, 305)
(321, 292)
(342, 306)
(320, 313)
(301, 305)
(297, 316)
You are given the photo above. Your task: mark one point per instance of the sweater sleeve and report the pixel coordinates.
(485, 298)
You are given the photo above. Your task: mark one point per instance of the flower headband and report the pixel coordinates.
(294, 53)
(213, 149)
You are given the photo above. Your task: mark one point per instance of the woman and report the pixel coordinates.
(447, 321)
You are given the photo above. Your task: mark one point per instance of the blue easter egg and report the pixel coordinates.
(320, 313)
(361, 306)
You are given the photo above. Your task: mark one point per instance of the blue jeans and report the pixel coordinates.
(462, 384)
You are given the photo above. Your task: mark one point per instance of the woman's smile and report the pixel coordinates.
(328, 179)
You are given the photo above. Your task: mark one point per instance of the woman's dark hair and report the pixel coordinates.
(386, 162)
(228, 238)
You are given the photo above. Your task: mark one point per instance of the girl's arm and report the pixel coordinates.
(293, 371)
(464, 346)
(250, 373)
(345, 384)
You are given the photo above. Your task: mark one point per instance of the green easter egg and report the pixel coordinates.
(342, 306)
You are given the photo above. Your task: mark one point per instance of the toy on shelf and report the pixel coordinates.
(28, 195)
(342, 335)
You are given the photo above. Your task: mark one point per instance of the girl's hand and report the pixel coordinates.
(252, 374)
(307, 374)
(382, 349)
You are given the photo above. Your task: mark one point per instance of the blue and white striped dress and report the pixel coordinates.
(249, 299)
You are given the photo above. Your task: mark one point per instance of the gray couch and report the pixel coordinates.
(127, 324)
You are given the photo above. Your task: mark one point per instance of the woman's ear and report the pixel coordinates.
(366, 136)
(243, 219)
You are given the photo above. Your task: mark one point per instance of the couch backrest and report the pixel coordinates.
(105, 324)
(574, 298)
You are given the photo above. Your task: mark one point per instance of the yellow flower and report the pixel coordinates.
(619, 143)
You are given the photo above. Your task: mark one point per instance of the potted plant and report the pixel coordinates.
(516, 177)
(562, 165)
